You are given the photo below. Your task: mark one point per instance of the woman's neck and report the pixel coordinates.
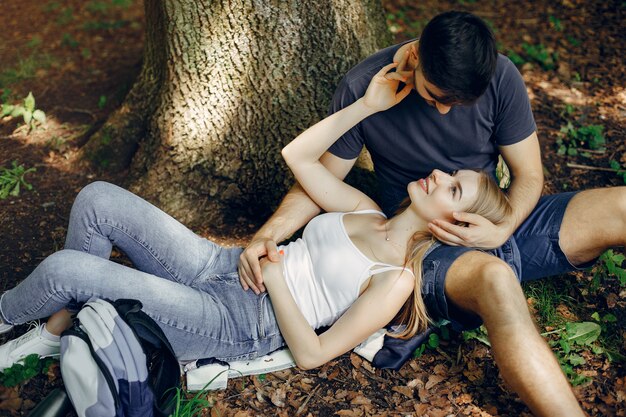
(399, 229)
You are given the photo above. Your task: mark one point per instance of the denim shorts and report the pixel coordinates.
(532, 252)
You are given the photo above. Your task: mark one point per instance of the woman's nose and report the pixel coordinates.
(439, 175)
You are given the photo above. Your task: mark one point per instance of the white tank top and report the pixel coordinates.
(325, 270)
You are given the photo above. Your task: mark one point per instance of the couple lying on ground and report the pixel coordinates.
(447, 101)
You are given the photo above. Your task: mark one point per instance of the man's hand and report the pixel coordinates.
(250, 274)
(479, 233)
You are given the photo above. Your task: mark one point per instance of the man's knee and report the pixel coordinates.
(490, 286)
(593, 221)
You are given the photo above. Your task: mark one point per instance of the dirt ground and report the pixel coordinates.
(79, 59)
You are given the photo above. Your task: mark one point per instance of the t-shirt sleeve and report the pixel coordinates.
(514, 117)
(350, 144)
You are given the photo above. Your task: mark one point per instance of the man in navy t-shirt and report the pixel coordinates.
(468, 105)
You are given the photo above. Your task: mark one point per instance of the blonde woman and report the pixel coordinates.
(353, 270)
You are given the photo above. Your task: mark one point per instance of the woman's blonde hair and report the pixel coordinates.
(491, 203)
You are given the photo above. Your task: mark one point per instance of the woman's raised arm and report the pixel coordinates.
(304, 152)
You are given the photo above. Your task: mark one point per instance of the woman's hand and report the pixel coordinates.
(382, 93)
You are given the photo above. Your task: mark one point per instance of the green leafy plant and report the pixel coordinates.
(572, 340)
(102, 102)
(572, 138)
(611, 333)
(434, 339)
(28, 112)
(24, 370)
(620, 170)
(479, 334)
(11, 179)
(609, 267)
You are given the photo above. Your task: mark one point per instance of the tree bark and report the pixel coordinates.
(224, 85)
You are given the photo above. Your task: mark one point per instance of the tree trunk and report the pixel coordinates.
(226, 84)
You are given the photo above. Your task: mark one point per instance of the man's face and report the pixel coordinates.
(424, 88)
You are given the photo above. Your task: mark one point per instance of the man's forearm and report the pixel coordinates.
(294, 211)
(524, 193)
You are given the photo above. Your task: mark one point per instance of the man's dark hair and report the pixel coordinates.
(458, 54)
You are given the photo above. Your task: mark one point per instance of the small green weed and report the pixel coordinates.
(573, 41)
(11, 179)
(52, 6)
(102, 102)
(398, 22)
(620, 169)
(68, 40)
(541, 55)
(555, 23)
(6, 95)
(122, 3)
(105, 25)
(65, 17)
(24, 370)
(572, 137)
(28, 112)
(86, 53)
(34, 42)
(516, 58)
(572, 340)
(98, 6)
(479, 334)
(190, 407)
(434, 339)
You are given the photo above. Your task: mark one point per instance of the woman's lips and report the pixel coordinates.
(424, 184)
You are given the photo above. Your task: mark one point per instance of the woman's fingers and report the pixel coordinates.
(383, 71)
(403, 62)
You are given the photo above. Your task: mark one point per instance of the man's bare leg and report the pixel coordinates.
(594, 221)
(480, 283)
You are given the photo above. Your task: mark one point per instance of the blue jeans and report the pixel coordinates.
(187, 284)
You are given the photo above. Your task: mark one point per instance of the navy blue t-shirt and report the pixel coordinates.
(412, 138)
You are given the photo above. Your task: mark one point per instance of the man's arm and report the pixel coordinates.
(294, 211)
(524, 161)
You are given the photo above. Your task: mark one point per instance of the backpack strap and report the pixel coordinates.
(76, 331)
(163, 366)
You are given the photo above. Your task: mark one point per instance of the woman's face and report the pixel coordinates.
(440, 194)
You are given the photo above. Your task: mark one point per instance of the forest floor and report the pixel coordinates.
(79, 59)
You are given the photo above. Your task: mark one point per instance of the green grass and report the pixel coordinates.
(25, 68)
(547, 296)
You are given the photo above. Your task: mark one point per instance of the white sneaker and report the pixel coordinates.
(27, 344)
